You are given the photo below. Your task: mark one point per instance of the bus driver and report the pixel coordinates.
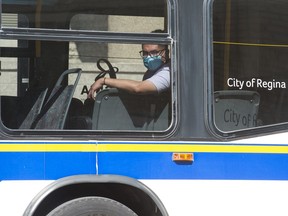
(155, 80)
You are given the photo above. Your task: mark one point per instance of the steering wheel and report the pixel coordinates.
(111, 70)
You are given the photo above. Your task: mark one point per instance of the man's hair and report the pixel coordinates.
(165, 46)
(158, 31)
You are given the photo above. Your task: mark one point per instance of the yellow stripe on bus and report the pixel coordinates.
(251, 44)
(48, 147)
(192, 148)
(131, 147)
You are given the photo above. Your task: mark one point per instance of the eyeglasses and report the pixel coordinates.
(152, 53)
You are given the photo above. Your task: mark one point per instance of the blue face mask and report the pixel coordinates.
(152, 63)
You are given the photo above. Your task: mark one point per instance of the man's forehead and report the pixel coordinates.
(150, 46)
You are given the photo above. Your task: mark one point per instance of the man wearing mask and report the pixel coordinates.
(155, 80)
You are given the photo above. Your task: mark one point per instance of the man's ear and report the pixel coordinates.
(167, 53)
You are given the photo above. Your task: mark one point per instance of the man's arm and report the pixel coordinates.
(132, 86)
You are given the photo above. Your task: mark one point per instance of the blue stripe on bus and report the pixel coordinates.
(230, 166)
(45, 166)
(205, 166)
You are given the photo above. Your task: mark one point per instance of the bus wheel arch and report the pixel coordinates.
(127, 191)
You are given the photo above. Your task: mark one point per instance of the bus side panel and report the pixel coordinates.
(222, 197)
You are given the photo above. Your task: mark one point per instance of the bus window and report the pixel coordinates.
(8, 77)
(8, 60)
(104, 15)
(12, 20)
(8, 80)
(51, 61)
(250, 49)
(116, 23)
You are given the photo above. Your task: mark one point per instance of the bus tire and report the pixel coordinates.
(96, 206)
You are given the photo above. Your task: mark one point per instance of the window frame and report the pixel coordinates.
(41, 34)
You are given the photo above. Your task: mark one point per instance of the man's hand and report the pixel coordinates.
(96, 86)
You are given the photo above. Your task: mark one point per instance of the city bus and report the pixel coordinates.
(215, 143)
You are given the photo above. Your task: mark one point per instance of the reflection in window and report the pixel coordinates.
(250, 49)
(116, 23)
(110, 15)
